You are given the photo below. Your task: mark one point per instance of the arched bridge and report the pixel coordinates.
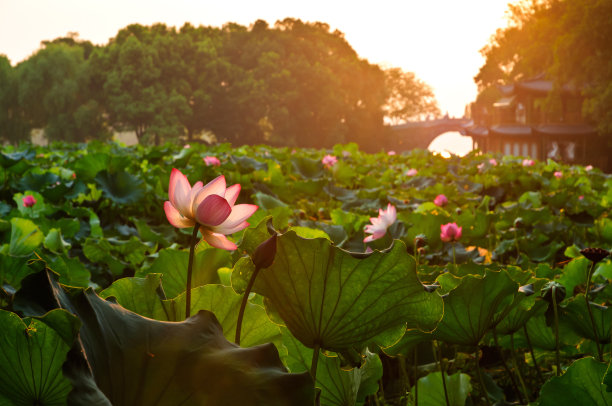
(419, 134)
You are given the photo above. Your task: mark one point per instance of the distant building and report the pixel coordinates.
(519, 124)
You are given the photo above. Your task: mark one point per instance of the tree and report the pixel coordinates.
(52, 90)
(13, 127)
(408, 98)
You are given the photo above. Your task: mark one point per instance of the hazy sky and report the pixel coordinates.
(439, 40)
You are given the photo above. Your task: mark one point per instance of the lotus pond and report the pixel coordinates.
(128, 275)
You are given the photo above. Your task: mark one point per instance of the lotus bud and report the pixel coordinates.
(264, 255)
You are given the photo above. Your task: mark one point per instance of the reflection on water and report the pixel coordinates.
(451, 142)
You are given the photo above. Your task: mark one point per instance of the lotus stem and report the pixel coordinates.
(588, 303)
(508, 371)
(416, 378)
(441, 362)
(480, 379)
(193, 242)
(518, 368)
(314, 363)
(243, 304)
(533, 357)
(557, 357)
(454, 257)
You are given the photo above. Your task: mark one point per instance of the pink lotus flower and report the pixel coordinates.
(528, 162)
(581, 197)
(558, 174)
(329, 160)
(186, 146)
(346, 154)
(588, 168)
(450, 232)
(212, 160)
(28, 201)
(493, 162)
(211, 207)
(391, 153)
(440, 201)
(481, 167)
(379, 225)
(412, 172)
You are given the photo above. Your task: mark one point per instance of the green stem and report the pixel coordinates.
(454, 258)
(194, 241)
(480, 380)
(557, 357)
(588, 303)
(518, 249)
(243, 304)
(535, 362)
(416, 379)
(505, 364)
(518, 368)
(314, 363)
(441, 362)
(416, 254)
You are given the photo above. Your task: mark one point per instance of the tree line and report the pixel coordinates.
(566, 40)
(294, 83)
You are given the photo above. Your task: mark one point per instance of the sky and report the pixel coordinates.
(438, 40)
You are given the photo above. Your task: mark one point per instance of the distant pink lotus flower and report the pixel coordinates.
(581, 197)
(493, 162)
(528, 162)
(588, 168)
(186, 146)
(558, 174)
(210, 207)
(346, 154)
(212, 160)
(411, 172)
(441, 201)
(450, 232)
(391, 153)
(329, 160)
(73, 175)
(28, 201)
(481, 167)
(379, 225)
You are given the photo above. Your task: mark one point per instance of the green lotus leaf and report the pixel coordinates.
(581, 384)
(121, 187)
(523, 307)
(470, 308)
(575, 312)
(32, 352)
(145, 296)
(408, 342)
(431, 390)
(328, 297)
(172, 264)
(308, 168)
(25, 237)
(88, 166)
(339, 387)
(136, 360)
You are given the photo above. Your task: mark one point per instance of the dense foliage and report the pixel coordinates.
(478, 277)
(567, 40)
(296, 83)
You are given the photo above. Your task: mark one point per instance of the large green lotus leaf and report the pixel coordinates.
(172, 264)
(32, 352)
(121, 187)
(330, 298)
(135, 360)
(25, 237)
(471, 307)
(575, 312)
(308, 168)
(145, 296)
(581, 384)
(338, 386)
(523, 307)
(13, 270)
(88, 166)
(574, 273)
(428, 224)
(431, 390)
(408, 342)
